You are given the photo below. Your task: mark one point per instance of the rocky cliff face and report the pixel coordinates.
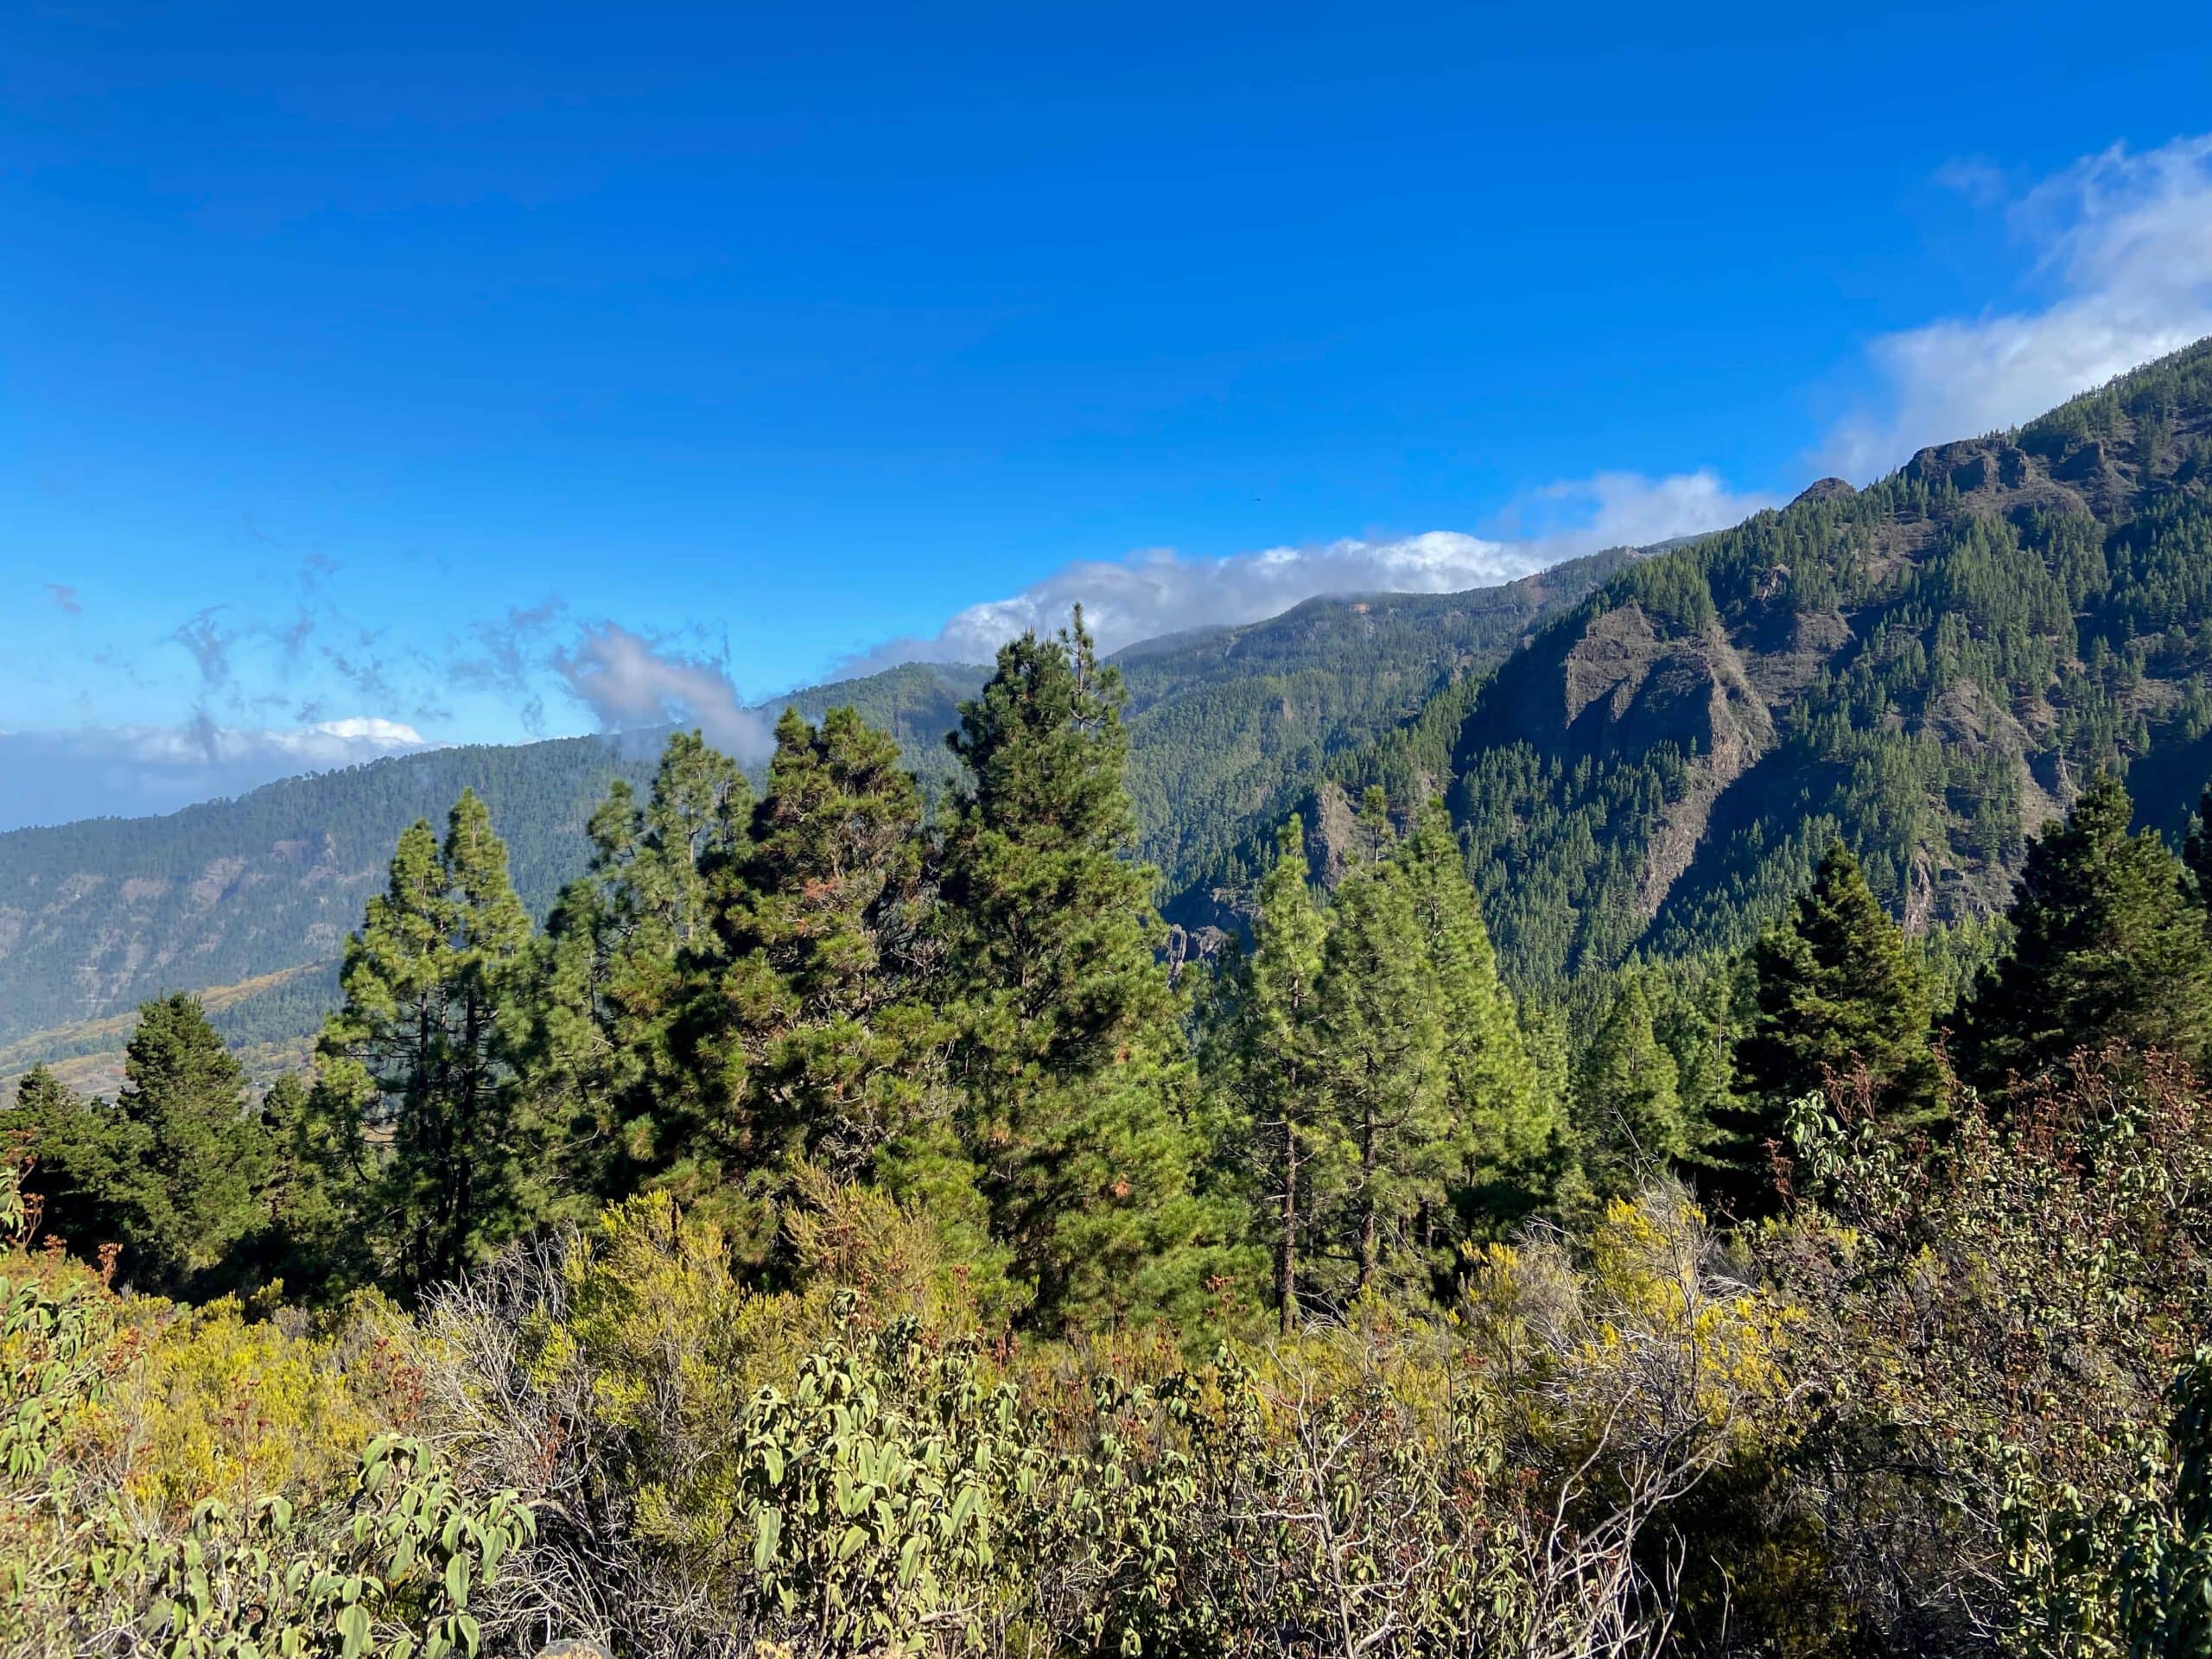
(1926, 668)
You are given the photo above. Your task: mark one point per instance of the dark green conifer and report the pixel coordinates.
(822, 1037)
(1628, 1111)
(83, 1161)
(626, 949)
(1833, 994)
(1069, 1056)
(304, 1238)
(817, 1033)
(201, 1159)
(2197, 852)
(2106, 948)
(1496, 1100)
(1261, 1049)
(1381, 1019)
(417, 1061)
(172, 1171)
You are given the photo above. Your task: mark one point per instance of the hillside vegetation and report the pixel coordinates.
(96, 916)
(1927, 669)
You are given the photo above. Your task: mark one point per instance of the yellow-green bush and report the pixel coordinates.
(633, 1443)
(195, 1485)
(217, 1405)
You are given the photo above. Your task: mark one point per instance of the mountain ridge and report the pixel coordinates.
(1926, 667)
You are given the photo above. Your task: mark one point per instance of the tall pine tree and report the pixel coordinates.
(1381, 1020)
(1628, 1111)
(83, 1161)
(1069, 1053)
(1261, 1050)
(1505, 1115)
(172, 1171)
(627, 948)
(1833, 994)
(302, 1239)
(418, 1059)
(2197, 853)
(202, 1159)
(2107, 947)
(817, 1034)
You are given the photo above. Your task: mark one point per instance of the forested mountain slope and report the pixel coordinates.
(1226, 724)
(1927, 668)
(268, 1021)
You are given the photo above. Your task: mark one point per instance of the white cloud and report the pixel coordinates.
(53, 777)
(1159, 591)
(1632, 510)
(627, 680)
(2123, 238)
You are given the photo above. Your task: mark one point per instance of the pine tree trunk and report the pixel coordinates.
(1367, 1217)
(1286, 1246)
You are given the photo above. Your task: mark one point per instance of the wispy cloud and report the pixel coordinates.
(509, 656)
(627, 679)
(2120, 250)
(53, 777)
(1160, 591)
(209, 642)
(2123, 239)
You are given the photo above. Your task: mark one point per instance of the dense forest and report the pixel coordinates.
(848, 1219)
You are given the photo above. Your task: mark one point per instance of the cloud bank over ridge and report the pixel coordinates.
(55, 777)
(1158, 590)
(2124, 241)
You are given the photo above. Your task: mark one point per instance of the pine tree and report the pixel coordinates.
(2106, 948)
(83, 1161)
(1833, 994)
(1693, 1015)
(818, 1035)
(303, 1240)
(1261, 1049)
(1506, 1117)
(1543, 1037)
(2197, 853)
(1381, 1019)
(627, 948)
(1069, 1056)
(173, 1172)
(201, 1160)
(418, 1058)
(1628, 1112)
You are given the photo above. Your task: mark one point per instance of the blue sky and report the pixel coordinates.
(370, 375)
